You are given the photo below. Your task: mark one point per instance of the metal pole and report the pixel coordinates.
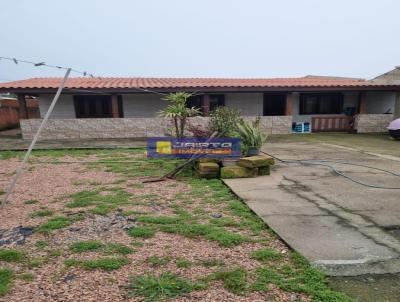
(35, 138)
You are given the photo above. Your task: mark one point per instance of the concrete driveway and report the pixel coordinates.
(338, 225)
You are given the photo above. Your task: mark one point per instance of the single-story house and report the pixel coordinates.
(10, 112)
(128, 107)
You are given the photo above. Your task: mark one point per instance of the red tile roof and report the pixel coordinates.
(176, 83)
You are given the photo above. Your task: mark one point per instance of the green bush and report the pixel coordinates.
(224, 121)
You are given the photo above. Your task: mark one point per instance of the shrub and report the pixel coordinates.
(224, 121)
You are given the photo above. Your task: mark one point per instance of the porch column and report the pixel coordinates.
(397, 105)
(289, 103)
(206, 105)
(23, 108)
(114, 106)
(362, 109)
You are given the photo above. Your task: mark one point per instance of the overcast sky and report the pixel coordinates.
(201, 38)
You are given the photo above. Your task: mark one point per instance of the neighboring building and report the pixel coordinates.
(128, 107)
(10, 111)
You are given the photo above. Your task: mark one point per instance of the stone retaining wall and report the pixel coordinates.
(130, 127)
(370, 123)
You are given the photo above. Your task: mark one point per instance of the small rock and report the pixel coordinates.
(216, 215)
(74, 229)
(69, 278)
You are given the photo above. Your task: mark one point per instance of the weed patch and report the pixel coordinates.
(234, 280)
(42, 213)
(265, 255)
(83, 246)
(210, 232)
(165, 286)
(107, 264)
(142, 232)
(12, 255)
(158, 261)
(6, 277)
(55, 223)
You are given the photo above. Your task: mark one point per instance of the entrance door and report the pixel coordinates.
(274, 103)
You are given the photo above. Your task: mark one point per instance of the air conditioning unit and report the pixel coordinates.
(301, 127)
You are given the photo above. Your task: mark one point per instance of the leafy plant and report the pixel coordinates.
(251, 134)
(224, 121)
(178, 111)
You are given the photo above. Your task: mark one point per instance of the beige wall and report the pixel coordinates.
(142, 105)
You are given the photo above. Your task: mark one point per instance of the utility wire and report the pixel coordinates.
(83, 73)
(325, 163)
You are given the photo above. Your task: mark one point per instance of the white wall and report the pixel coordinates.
(63, 109)
(142, 105)
(248, 103)
(380, 102)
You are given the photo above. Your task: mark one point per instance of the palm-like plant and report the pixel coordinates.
(178, 111)
(251, 134)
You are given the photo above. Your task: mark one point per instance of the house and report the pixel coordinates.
(128, 107)
(10, 111)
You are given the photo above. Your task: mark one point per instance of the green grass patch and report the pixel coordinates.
(265, 255)
(211, 262)
(104, 199)
(161, 219)
(158, 261)
(12, 255)
(210, 232)
(31, 201)
(6, 277)
(233, 280)
(55, 223)
(107, 264)
(165, 286)
(300, 277)
(84, 246)
(117, 248)
(28, 277)
(42, 213)
(142, 232)
(40, 244)
(183, 263)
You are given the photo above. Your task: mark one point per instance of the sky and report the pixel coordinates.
(201, 38)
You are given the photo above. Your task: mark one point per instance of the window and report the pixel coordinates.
(197, 101)
(216, 100)
(321, 103)
(274, 104)
(95, 106)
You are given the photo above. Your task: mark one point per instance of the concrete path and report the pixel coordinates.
(342, 227)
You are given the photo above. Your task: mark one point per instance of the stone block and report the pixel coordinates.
(208, 167)
(266, 170)
(256, 161)
(238, 172)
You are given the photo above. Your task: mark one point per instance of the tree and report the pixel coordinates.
(178, 111)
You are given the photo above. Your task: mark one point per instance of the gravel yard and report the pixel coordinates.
(81, 225)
